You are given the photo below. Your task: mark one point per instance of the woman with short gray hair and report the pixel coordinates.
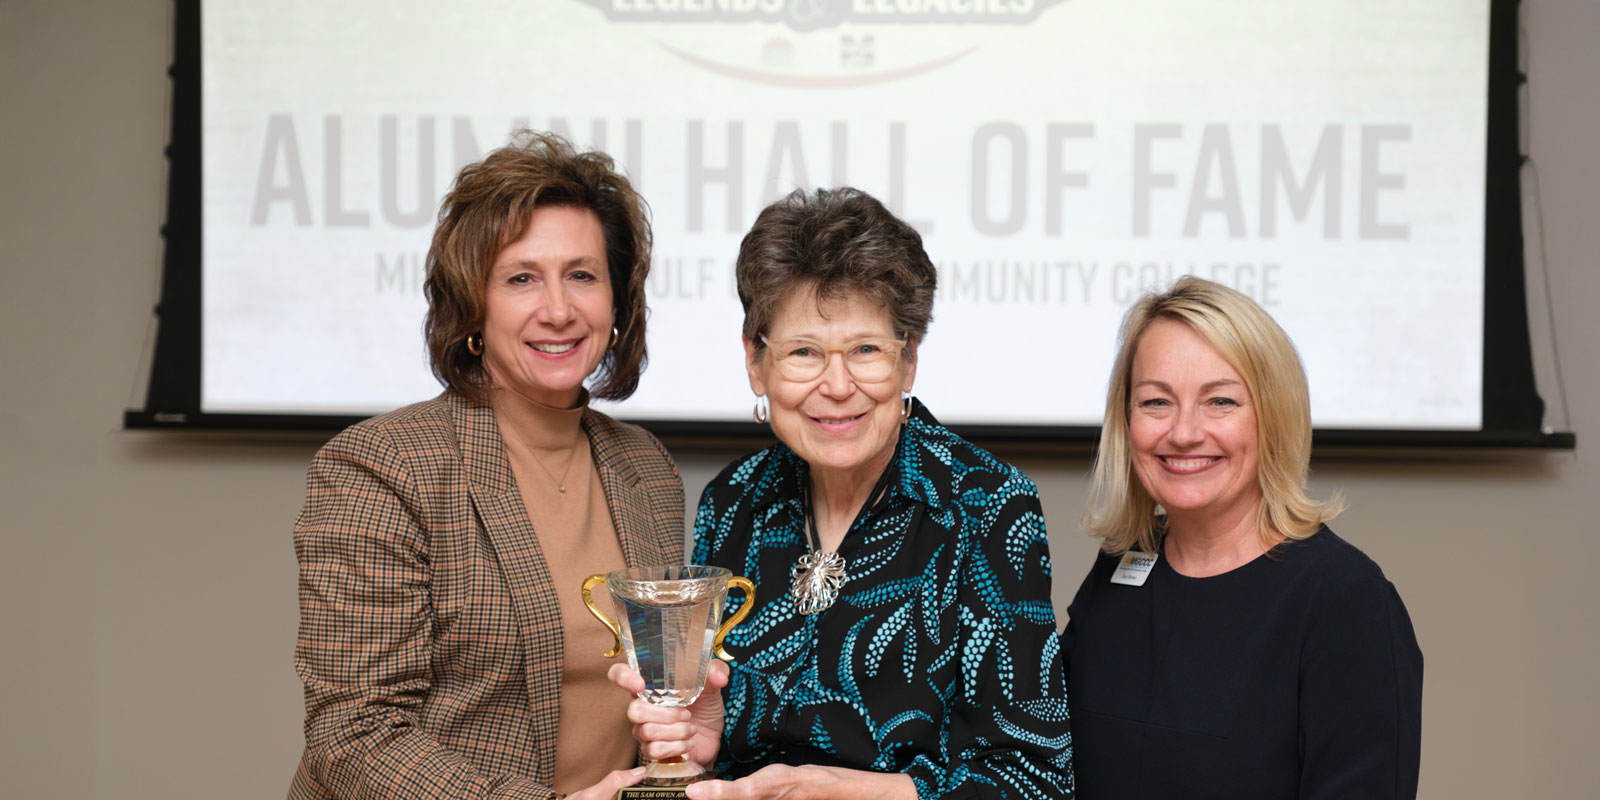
(902, 640)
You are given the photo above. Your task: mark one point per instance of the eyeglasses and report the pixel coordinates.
(867, 360)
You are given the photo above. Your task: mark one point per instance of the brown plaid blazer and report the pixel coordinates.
(430, 638)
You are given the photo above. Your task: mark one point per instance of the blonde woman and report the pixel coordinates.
(1227, 643)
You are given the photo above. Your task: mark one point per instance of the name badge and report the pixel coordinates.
(1134, 568)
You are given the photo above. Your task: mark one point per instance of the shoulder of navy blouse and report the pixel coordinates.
(1296, 675)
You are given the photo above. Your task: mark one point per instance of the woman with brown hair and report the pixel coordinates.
(443, 646)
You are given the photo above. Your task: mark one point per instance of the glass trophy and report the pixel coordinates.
(669, 628)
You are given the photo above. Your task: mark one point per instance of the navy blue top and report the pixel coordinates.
(939, 658)
(1296, 675)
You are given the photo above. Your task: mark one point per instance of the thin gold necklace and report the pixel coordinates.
(561, 482)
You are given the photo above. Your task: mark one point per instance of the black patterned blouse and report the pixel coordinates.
(938, 660)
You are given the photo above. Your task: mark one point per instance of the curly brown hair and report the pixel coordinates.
(836, 242)
(489, 207)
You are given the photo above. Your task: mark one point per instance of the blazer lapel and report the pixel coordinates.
(499, 505)
(626, 498)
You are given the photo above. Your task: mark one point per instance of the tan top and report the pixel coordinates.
(547, 450)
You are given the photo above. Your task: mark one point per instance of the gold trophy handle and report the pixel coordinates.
(616, 633)
(743, 584)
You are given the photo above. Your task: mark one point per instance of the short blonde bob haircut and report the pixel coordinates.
(1120, 511)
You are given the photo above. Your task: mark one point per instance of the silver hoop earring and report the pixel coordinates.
(763, 411)
(905, 411)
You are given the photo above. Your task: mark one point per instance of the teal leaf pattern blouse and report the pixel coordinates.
(939, 659)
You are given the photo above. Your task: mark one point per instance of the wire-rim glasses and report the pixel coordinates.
(867, 360)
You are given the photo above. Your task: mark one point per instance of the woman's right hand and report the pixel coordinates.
(663, 731)
(607, 787)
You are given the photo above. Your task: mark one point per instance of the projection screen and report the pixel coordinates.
(1059, 156)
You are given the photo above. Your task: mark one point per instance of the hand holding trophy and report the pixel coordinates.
(669, 630)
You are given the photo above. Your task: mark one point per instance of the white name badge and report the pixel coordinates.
(1134, 568)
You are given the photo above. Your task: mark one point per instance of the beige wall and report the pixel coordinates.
(147, 581)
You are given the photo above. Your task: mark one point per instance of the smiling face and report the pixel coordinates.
(837, 423)
(1192, 428)
(548, 313)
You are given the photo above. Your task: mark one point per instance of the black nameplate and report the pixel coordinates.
(652, 793)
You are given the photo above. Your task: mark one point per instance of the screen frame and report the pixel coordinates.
(1512, 409)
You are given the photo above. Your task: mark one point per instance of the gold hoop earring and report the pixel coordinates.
(763, 412)
(475, 344)
(905, 411)
(614, 335)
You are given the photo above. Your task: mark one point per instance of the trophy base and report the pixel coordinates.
(652, 793)
(664, 780)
